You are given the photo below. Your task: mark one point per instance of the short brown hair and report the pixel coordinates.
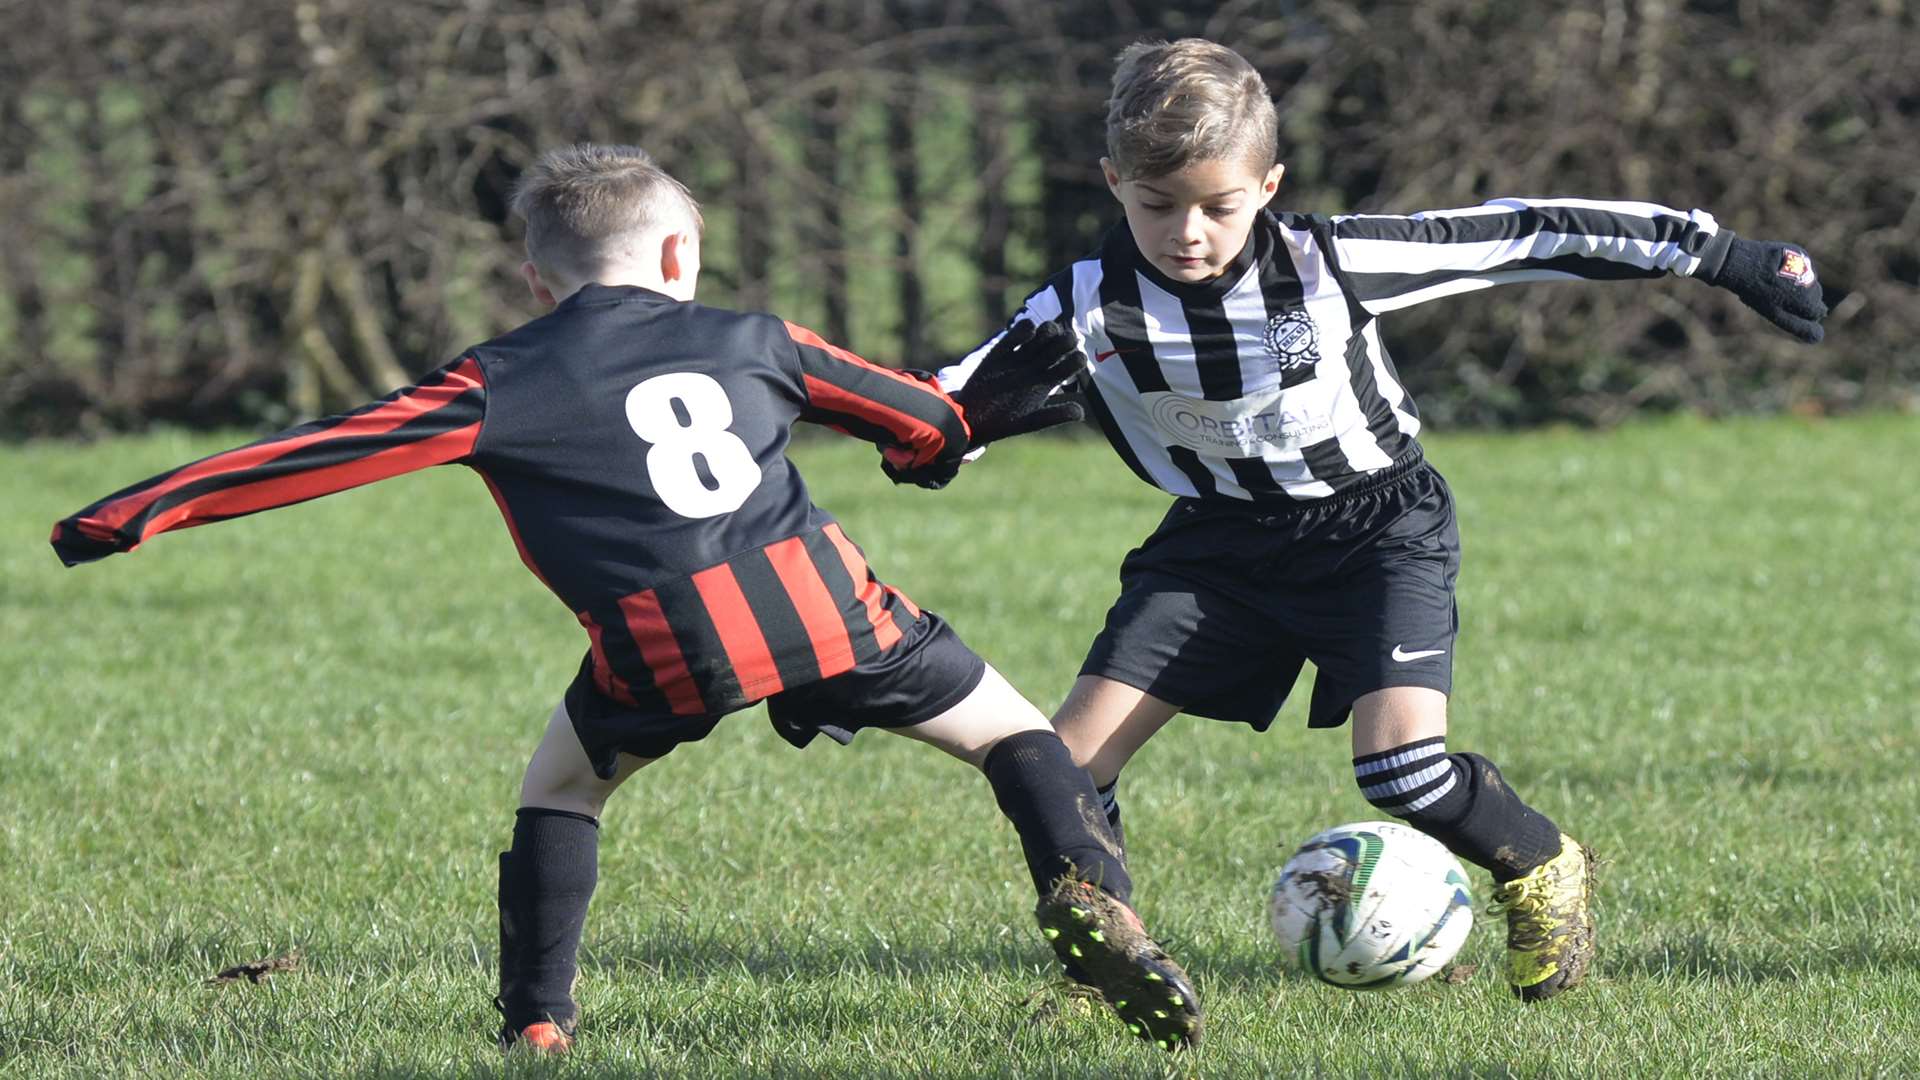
(578, 199)
(1190, 100)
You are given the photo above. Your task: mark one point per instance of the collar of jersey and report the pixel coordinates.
(595, 293)
(1259, 245)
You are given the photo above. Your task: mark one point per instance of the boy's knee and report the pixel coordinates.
(573, 795)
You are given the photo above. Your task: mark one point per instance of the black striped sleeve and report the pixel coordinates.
(433, 422)
(910, 418)
(1390, 262)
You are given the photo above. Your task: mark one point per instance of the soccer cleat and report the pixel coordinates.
(1102, 941)
(544, 1039)
(1549, 923)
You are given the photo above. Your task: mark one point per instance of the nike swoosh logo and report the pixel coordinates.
(1403, 656)
(1097, 357)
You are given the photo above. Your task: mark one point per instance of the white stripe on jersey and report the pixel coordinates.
(1456, 286)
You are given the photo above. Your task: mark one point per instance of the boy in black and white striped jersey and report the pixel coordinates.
(1234, 360)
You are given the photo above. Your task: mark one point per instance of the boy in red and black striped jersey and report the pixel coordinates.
(634, 441)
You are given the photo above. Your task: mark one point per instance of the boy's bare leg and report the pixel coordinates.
(1543, 878)
(1105, 723)
(971, 729)
(1074, 861)
(546, 882)
(561, 778)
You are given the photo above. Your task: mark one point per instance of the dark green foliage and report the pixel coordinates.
(225, 212)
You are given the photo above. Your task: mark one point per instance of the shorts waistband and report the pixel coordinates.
(1402, 466)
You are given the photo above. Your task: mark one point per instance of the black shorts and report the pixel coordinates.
(1224, 603)
(928, 671)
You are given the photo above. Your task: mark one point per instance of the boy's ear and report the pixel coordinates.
(1272, 183)
(1112, 174)
(680, 257)
(531, 275)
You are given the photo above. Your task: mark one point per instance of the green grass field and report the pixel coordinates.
(1696, 645)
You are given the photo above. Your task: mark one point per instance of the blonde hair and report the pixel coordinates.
(579, 201)
(1190, 100)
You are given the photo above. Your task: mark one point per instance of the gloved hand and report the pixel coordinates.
(1776, 280)
(1009, 393)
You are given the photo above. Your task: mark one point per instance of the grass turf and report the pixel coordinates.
(1696, 645)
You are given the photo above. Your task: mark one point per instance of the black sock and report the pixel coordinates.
(1462, 801)
(1110, 802)
(1055, 809)
(545, 884)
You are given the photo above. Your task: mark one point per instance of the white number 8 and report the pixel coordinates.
(676, 446)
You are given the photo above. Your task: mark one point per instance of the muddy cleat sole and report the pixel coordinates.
(1549, 923)
(544, 1039)
(1103, 940)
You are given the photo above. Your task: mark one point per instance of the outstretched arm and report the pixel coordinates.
(1390, 262)
(907, 415)
(433, 422)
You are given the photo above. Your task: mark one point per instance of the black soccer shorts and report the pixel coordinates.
(1221, 607)
(928, 671)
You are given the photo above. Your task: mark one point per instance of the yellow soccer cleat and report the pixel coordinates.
(1549, 923)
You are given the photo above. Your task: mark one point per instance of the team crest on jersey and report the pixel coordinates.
(1795, 267)
(1292, 339)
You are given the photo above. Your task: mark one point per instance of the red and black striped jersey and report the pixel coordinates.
(636, 446)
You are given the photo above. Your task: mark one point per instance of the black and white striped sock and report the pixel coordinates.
(1462, 801)
(1410, 778)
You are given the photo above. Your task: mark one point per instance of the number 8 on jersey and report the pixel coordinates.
(676, 448)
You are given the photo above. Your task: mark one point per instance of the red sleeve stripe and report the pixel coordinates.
(924, 439)
(380, 419)
(832, 647)
(885, 633)
(740, 635)
(803, 336)
(661, 651)
(919, 414)
(299, 487)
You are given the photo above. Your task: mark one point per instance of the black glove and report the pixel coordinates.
(1776, 280)
(1009, 393)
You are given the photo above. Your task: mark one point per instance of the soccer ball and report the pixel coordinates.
(1371, 905)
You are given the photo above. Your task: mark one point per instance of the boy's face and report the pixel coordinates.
(1192, 222)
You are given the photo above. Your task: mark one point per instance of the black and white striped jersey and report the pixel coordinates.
(1271, 382)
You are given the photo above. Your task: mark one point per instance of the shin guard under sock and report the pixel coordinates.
(546, 881)
(1462, 801)
(1055, 809)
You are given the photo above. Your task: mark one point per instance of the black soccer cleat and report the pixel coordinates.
(1103, 942)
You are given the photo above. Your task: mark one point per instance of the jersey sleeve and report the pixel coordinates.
(433, 422)
(1391, 262)
(1043, 306)
(911, 419)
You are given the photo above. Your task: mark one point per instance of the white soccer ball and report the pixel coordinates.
(1371, 906)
